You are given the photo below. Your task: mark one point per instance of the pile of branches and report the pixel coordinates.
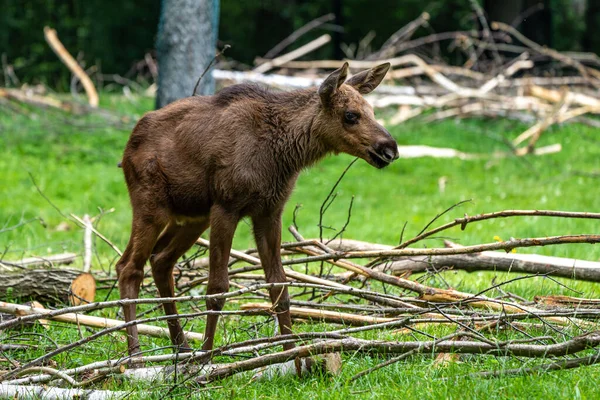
(561, 330)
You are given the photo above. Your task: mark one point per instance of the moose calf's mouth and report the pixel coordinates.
(380, 160)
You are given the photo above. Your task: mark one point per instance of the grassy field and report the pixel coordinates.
(73, 161)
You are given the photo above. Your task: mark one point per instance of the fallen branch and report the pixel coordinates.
(87, 320)
(50, 393)
(42, 261)
(566, 301)
(463, 222)
(494, 261)
(554, 366)
(322, 315)
(572, 346)
(58, 48)
(315, 23)
(299, 52)
(541, 49)
(36, 100)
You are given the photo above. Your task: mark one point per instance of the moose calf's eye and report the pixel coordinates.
(350, 117)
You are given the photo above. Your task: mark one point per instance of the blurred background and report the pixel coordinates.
(115, 35)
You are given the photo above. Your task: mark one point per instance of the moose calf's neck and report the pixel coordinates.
(290, 130)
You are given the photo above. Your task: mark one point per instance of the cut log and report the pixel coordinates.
(495, 261)
(55, 285)
(83, 289)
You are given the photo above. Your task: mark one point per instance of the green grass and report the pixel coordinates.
(73, 161)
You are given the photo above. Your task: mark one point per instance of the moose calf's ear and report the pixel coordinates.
(366, 81)
(332, 83)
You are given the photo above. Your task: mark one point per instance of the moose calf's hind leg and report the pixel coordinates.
(130, 272)
(171, 245)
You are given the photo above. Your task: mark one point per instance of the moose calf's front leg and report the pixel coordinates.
(223, 224)
(267, 232)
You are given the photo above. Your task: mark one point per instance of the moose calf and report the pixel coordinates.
(209, 161)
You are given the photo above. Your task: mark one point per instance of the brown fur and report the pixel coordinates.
(209, 161)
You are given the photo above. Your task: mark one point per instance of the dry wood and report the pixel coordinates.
(87, 243)
(329, 363)
(403, 252)
(315, 23)
(83, 289)
(426, 293)
(35, 304)
(46, 284)
(541, 49)
(463, 222)
(343, 244)
(301, 82)
(322, 315)
(417, 151)
(288, 272)
(35, 99)
(495, 261)
(299, 52)
(42, 261)
(575, 345)
(101, 236)
(51, 393)
(71, 63)
(118, 365)
(566, 301)
(87, 320)
(404, 33)
(383, 298)
(409, 72)
(556, 96)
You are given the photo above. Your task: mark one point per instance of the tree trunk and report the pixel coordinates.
(186, 42)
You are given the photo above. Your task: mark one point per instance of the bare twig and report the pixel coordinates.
(299, 52)
(315, 23)
(498, 214)
(210, 64)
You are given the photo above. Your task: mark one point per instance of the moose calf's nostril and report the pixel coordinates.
(390, 154)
